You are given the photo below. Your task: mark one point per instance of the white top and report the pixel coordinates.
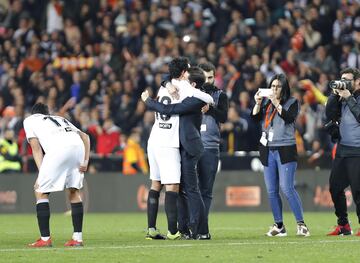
(186, 90)
(53, 132)
(165, 131)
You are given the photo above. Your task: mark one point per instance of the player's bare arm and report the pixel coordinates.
(203, 96)
(86, 140)
(37, 153)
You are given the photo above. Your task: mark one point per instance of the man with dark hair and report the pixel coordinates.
(343, 106)
(191, 149)
(40, 108)
(178, 66)
(62, 166)
(163, 149)
(209, 72)
(210, 136)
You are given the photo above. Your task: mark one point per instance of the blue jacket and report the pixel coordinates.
(190, 121)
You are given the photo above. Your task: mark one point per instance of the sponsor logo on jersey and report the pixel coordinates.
(165, 125)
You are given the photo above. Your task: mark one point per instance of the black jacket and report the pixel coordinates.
(190, 121)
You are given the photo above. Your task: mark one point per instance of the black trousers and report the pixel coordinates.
(345, 172)
(207, 168)
(189, 195)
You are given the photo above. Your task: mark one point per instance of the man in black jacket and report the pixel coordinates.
(210, 136)
(344, 105)
(191, 149)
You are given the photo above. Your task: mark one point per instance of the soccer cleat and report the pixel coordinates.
(73, 243)
(175, 236)
(341, 230)
(186, 236)
(41, 243)
(276, 232)
(302, 230)
(154, 233)
(358, 233)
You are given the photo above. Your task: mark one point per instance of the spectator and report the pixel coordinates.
(134, 157)
(105, 53)
(9, 153)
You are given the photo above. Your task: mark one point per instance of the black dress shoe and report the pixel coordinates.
(203, 236)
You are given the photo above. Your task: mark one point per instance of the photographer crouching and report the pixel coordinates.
(343, 106)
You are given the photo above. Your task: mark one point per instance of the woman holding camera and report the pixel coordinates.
(277, 112)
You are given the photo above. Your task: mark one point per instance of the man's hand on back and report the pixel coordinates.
(145, 95)
(205, 108)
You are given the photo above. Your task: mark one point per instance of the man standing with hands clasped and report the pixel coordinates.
(343, 106)
(210, 136)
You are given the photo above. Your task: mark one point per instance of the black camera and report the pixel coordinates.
(340, 84)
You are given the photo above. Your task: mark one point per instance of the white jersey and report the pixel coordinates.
(186, 90)
(165, 131)
(53, 132)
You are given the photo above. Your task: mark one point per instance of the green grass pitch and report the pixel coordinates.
(237, 237)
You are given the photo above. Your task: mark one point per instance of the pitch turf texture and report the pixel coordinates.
(237, 237)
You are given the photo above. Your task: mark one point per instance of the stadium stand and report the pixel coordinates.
(90, 60)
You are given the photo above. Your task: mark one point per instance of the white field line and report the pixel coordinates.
(192, 244)
(138, 230)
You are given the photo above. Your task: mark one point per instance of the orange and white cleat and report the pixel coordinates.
(41, 243)
(74, 243)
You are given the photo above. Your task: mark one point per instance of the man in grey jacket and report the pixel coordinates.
(343, 106)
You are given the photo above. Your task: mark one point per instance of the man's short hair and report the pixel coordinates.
(207, 66)
(354, 71)
(196, 75)
(40, 108)
(177, 66)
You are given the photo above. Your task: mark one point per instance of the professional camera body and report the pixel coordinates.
(341, 84)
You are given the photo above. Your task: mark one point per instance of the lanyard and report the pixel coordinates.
(268, 119)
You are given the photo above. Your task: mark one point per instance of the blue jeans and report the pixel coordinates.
(282, 176)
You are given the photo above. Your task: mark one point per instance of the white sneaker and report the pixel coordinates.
(302, 230)
(276, 232)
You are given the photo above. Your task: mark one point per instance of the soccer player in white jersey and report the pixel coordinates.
(163, 151)
(62, 166)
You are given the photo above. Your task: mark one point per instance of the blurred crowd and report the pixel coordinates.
(90, 60)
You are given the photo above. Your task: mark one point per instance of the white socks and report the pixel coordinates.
(77, 236)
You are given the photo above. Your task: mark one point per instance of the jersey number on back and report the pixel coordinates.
(67, 128)
(164, 100)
